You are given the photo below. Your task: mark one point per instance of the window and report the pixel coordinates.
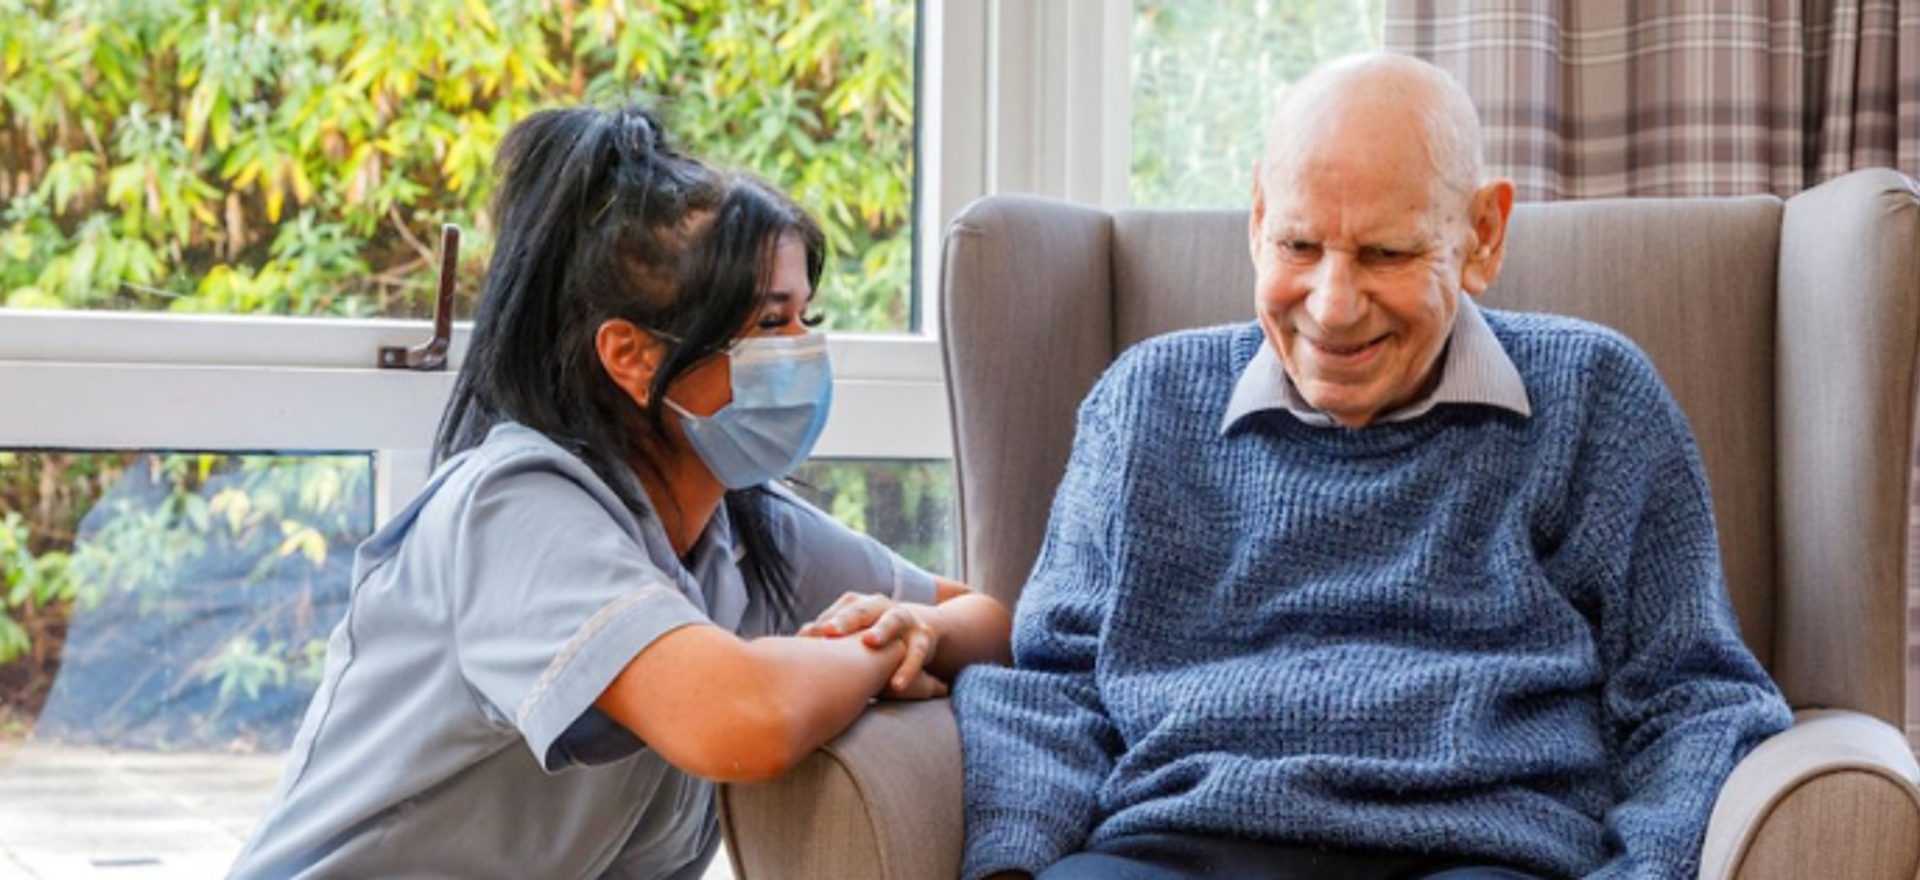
(1204, 76)
(907, 505)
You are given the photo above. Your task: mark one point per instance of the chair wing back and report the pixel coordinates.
(1692, 282)
(1178, 269)
(1787, 331)
(1849, 330)
(1028, 288)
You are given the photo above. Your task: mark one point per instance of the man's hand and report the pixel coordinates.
(879, 620)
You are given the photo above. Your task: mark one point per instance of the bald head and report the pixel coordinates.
(1380, 95)
(1368, 224)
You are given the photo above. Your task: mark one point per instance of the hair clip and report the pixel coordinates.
(603, 210)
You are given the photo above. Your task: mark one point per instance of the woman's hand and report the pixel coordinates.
(878, 620)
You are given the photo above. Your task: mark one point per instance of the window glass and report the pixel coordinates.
(909, 506)
(163, 624)
(177, 601)
(261, 157)
(1204, 76)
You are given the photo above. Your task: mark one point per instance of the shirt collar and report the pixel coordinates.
(1476, 370)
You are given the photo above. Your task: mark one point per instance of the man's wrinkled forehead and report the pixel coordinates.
(1359, 181)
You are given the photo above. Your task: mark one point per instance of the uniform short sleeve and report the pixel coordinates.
(830, 559)
(553, 594)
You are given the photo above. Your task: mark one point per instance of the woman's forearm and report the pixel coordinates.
(729, 710)
(822, 685)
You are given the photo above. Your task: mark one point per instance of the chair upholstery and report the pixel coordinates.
(1788, 331)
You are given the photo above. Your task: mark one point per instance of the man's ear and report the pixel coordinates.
(1257, 216)
(1488, 211)
(630, 356)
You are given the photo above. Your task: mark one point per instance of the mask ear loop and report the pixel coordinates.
(679, 410)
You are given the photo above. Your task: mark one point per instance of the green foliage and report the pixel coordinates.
(273, 509)
(28, 584)
(1204, 77)
(244, 668)
(266, 156)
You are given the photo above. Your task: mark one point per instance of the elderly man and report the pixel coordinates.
(1380, 585)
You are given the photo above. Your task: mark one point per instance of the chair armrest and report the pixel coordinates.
(883, 800)
(1832, 796)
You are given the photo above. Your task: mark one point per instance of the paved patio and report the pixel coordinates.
(75, 813)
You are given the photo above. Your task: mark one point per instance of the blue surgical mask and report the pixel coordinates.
(782, 388)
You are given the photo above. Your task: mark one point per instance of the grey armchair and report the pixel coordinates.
(1789, 332)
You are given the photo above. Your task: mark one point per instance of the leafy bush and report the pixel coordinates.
(293, 157)
(29, 583)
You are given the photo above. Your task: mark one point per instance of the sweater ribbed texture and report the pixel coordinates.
(1472, 634)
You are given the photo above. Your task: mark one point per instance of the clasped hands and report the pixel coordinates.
(878, 621)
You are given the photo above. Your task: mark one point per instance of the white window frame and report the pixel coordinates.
(1015, 96)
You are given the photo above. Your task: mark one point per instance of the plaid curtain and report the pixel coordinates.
(1678, 97)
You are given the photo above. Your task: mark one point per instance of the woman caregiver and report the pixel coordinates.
(553, 653)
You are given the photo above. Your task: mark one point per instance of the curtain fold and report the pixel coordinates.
(1678, 97)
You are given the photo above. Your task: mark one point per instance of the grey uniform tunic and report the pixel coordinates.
(454, 734)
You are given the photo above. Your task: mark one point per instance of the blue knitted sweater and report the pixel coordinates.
(1474, 633)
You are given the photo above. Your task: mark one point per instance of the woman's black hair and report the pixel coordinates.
(599, 217)
(592, 214)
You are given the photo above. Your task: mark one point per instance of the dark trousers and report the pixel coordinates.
(1182, 856)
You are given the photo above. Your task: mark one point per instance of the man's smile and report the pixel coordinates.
(1348, 354)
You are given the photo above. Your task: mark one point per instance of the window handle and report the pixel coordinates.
(432, 354)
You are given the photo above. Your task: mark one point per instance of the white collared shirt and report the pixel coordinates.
(1475, 370)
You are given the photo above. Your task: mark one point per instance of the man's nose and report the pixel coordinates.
(1336, 302)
